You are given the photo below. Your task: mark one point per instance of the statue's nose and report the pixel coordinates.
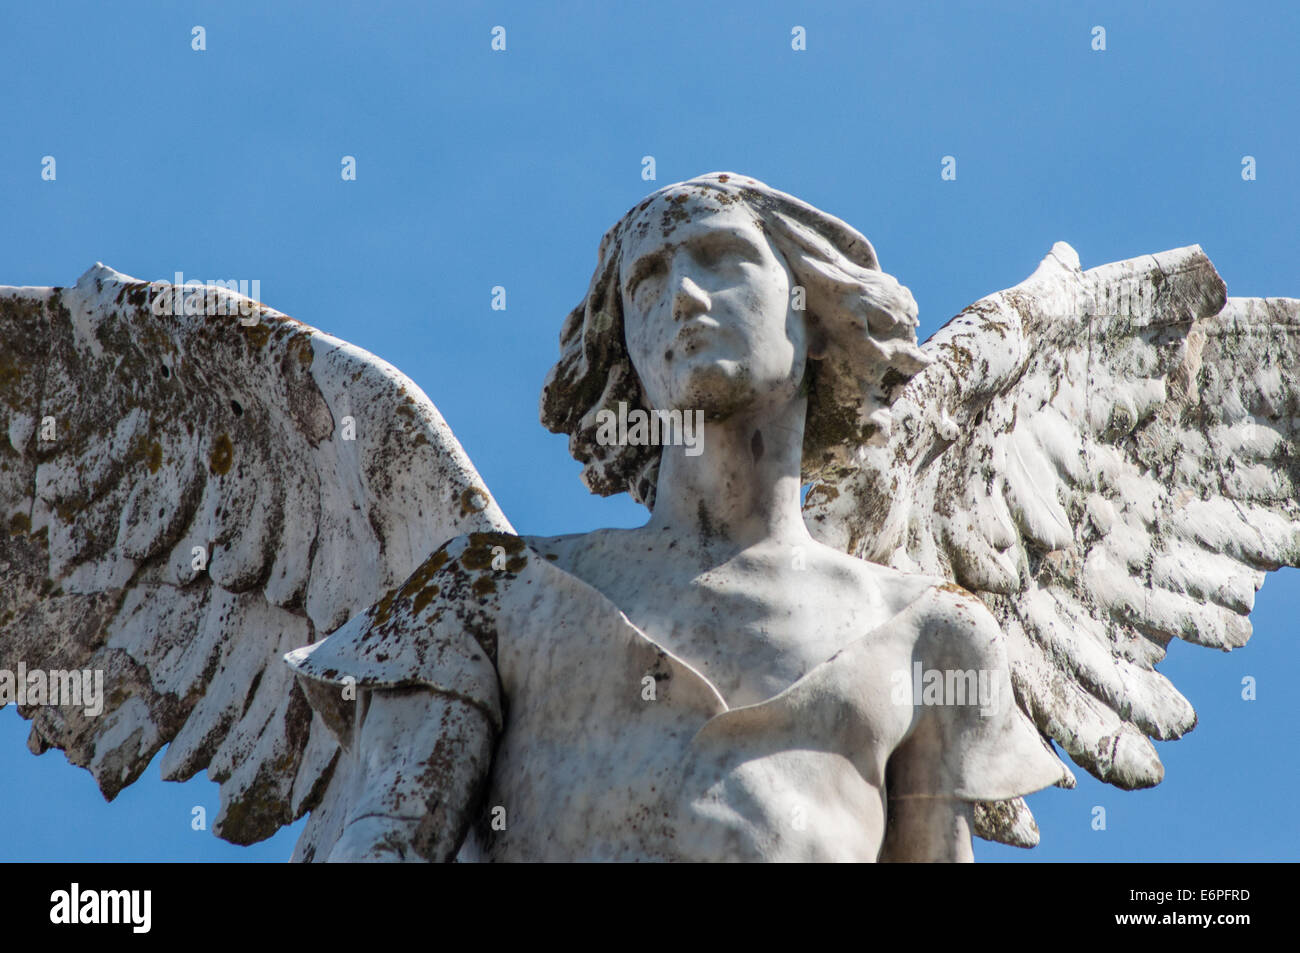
(689, 300)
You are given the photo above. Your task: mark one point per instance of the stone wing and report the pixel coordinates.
(1109, 458)
(184, 498)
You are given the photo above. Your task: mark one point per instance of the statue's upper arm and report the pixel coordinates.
(421, 762)
(968, 740)
(437, 630)
(411, 689)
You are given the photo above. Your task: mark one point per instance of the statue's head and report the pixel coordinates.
(723, 295)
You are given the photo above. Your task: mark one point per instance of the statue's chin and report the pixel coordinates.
(723, 388)
(719, 387)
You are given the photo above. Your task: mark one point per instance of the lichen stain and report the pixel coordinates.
(955, 589)
(473, 500)
(419, 579)
(258, 334)
(479, 554)
(822, 493)
(303, 350)
(423, 598)
(223, 454)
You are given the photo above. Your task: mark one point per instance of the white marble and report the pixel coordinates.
(1007, 526)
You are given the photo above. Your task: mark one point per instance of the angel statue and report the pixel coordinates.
(288, 572)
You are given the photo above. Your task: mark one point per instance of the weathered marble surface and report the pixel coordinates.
(596, 763)
(1069, 475)
(1109, 458)
(194, 430)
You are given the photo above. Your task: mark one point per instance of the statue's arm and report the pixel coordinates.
(411, 691)
(925, 823)
(423, 760)
(928, 830)
(962, 746)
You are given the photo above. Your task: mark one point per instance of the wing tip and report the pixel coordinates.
(102, 272)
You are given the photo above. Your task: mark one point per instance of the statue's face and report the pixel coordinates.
(707, 308)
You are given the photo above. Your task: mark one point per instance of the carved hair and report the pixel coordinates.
(868, 318)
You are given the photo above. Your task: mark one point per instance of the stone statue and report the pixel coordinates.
(1004, 529)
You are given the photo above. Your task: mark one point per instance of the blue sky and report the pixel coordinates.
(478, 168)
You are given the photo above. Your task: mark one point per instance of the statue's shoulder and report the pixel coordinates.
(959, 620)
(888, 591)
(950, 624)
(570, 550)
(437, 629)
(955, 628)
(968, 739)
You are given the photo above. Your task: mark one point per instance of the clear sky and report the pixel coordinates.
(478, 168)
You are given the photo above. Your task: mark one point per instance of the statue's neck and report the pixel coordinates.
(742, 486)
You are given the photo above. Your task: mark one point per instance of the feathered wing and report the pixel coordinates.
(1109, 458)
(184, 498)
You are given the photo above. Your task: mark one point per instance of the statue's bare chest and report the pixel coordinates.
(752, 625)
(723, 718)
(751, 638)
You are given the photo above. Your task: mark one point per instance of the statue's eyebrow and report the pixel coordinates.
(723, 238)
(727, 239)
(642, 267)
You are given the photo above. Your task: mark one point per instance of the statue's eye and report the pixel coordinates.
(708, 254)
(723, 250)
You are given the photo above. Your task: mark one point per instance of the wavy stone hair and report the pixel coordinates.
(868, 318)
